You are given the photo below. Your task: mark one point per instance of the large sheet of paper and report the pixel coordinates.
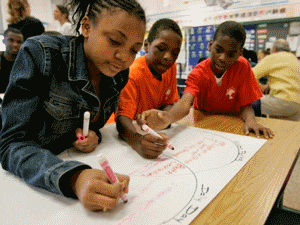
(172, 189)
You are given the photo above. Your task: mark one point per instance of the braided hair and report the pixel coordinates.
(92, 8)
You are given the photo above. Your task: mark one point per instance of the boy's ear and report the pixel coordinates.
(209, 45)
(85, 26)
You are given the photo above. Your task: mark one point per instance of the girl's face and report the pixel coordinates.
(57, 14)
(224, 52)
(163, 51)
(112, 42)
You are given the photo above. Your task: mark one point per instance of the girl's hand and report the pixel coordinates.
(94, 190)
(257, 128)
(89, 144)
(154, 118)
(151, 146)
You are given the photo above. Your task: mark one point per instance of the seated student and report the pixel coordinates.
(222, 84)
(13, 39)
(283, 71)
(152, 85)
(56, 79)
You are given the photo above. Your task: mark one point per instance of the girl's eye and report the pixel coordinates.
(114, 42)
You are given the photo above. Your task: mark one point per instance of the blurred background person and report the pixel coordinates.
(282, 69)
(261, 53)
(19, 17)
(13, 39)
(61, 14)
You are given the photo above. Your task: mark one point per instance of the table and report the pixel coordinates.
(249, 197)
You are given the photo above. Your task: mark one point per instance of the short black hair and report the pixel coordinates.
(160, 25)
(250, 55)
(13, 30)
(201, 59)
(231, 29)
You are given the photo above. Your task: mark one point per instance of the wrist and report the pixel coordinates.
(68, 179)
(75, 181)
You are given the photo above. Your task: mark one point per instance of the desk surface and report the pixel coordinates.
(249, 197)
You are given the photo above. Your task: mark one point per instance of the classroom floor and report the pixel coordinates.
(283, 217)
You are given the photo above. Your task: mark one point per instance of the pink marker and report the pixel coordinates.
(86, 124)
(109, 172)
(150, 131)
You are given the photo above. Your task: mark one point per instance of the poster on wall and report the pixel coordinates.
(212, 12)
(199, 38)
(250, 37)
(268, 33)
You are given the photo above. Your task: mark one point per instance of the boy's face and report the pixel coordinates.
(13, 42)
(224, 52)
(163, 51)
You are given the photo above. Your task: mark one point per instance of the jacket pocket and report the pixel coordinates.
(61, 109)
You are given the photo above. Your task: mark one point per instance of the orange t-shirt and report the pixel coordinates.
(143, 91)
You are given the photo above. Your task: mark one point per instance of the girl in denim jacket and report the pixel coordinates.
(55, 79)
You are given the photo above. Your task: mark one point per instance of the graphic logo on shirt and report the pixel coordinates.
(230, 92)
(168, 92)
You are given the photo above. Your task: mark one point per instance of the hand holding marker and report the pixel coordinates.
(86, 124)
(109, 172)
(150, 131)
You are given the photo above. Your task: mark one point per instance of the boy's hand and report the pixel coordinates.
(151, 146)
(257, 128)
(154, 118)
(90, 142)
(94, 190)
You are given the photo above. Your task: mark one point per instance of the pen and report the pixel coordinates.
(86, 124)
(150, 131)
(109, 172)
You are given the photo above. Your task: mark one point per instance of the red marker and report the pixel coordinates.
(150, 131)
(109, 172)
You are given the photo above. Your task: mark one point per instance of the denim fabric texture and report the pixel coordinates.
(48, 93)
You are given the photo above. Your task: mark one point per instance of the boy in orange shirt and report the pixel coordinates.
(223, 83)
(152, 85)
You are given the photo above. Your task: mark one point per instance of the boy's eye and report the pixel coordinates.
(218, 50)
(175, 53)
(160, 49)
(134, 51)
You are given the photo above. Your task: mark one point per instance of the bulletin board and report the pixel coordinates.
(199, 38)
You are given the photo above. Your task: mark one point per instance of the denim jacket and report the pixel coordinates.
(48, 93)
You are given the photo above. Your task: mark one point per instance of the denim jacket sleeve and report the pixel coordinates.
(22, 108)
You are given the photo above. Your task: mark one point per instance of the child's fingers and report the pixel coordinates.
(106, 188)
(154, 143)
(152, 154)
(124, 181)
(78, 132)
(257, 132)
(99, 202)
(246, 129)
(164, 136)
